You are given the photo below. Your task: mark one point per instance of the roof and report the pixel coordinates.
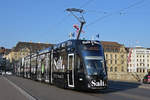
(109, 43)
(111, 46)
(31, 46)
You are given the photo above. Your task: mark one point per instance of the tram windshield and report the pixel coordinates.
(94, 66)
(94, 59)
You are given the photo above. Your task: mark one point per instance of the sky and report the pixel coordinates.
(124, 21)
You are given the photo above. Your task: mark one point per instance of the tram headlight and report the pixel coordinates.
(80, 79)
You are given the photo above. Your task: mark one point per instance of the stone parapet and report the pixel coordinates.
(131, 77)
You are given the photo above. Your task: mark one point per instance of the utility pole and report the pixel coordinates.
(30, 62)
(80, 19)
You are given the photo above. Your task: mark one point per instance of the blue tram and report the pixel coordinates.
(75, 64)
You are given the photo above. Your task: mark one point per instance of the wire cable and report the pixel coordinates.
(83, 5)
(119, 11)
(86, 3)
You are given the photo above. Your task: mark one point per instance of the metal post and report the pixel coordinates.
(30, 62)
(82, 23)
(36, 64)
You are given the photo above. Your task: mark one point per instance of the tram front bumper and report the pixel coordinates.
(97, 87)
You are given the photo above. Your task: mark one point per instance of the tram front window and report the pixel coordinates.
(94, 59)
(94, 67)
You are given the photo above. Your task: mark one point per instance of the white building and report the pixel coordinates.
(139, 60)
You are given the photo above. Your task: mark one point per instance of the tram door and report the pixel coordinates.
(70, 70)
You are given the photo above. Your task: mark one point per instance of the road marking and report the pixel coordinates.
(29, 97)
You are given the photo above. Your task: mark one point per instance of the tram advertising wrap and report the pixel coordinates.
(75, 64)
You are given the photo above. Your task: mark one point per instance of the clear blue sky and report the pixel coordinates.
(47, 21)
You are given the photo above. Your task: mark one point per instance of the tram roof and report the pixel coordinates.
(72, 42)
(68, 43)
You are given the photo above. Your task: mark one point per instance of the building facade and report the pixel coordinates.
(23, 49)
(2, 59)
(139, 60)
(116, 57)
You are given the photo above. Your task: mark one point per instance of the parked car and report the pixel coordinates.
(146, 79)
(8, 73)
(3, 73)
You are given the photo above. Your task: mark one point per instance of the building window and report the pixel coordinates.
(111, 69)
(140, 70)
(143, 70)
(110, 56)
(137, 70)
(110, 61)
(115, 61)
(115, 69)
(122, 69)
(140, 64)
(122, 62)
(106, 56)
(148, 65)
(137, 59)
(115, 56)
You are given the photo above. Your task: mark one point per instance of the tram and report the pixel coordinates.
(75, 64)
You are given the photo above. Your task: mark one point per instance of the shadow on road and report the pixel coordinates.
(115, 86)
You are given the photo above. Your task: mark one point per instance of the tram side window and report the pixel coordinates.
(33, 65)
(47, 63)
(79, 64)
(43, 65)
(60, 61)
(64, 61)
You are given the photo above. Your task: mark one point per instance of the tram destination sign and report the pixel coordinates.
(95, 48)
(90, 42)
